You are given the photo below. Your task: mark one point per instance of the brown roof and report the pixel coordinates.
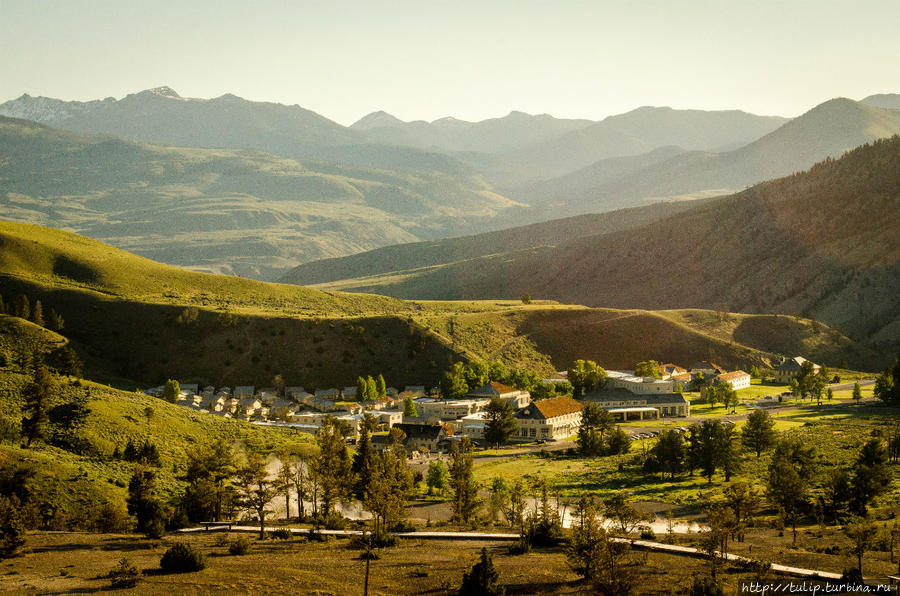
(494, 388)
(557, 406)
(733, 376)
(685, 376)
(670, 366)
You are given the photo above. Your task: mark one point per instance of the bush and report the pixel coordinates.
(282, 534)
(705, 586)
(112, 517)
(647, 533)
(182, 558)
(124, 575)
(334, 521)
(239, 546)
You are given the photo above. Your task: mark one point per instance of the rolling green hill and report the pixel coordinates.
(229, 211)
(823, 243)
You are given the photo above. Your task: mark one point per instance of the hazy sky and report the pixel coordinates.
(477, 59)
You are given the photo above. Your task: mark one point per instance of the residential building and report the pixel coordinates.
(424, 437)
(549, 419)
(709, 369)
(623, 379)
(737, 379)
(668, 370)
(515, 397)
(791, 368)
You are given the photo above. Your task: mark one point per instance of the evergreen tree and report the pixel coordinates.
(38, 394)
(143, 502)
(209, 494)
(483, 579)
(409, 408)
(500, 424)
(362, 389)
(22, 307)
(857, 392)
(171, 391)
(758, 433)
(371, 388)
(790, 471)
(618, 442)
(887, 385)
(37, 313)
(12, 526)
(69, 362)
(585, 550)
(585, 375)
(669, 451)
(462, 482)
(870, 474)
(54, 320)
(362, 464)
(2, 306)
(389, 487)
(380, 386)
(595, 422)
(333, 467)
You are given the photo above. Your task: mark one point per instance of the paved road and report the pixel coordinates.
(674, 549)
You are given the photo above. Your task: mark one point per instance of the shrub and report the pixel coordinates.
(334, 521)
(239, 546)
(647, 533)
(124, 575)
(112, 517)
(182, 558)
(12, 527)
(282, 534)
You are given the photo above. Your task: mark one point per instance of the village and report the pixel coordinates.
(431, 423)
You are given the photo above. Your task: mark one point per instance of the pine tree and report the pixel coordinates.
(483, 579)
(857, 392)
(171, 391)
(362, 389)
(380, 386)
(371, 388)
(332, 466)
(37, 313)
(499, 422)
(143, 502)
(758, 433)
(462, 481)
(22, 307)
(38, 395)
(54, 320)
(362, 464)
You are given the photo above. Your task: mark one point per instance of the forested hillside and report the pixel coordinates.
(822, 243)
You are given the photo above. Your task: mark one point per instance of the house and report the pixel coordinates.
(330, 393)
(389, 417)
(737, 379)
(515, 397)
(191, 388)
(244, 391)
(709, 369)
(554, 418)
(349, 393)
(684, 379)
(668, 370)
(280, 408)
(448, 409)
(623, 379)
(295, 393)
(423, 437)
(791, 368)
(626, 405)
(473, 426)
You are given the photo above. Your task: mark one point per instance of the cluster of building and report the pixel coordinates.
(439, 421)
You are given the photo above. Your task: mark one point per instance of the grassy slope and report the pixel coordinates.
(226, 210)
(116, 417)
(804, 245)
(130, 313)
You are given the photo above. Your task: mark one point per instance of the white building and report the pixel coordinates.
(737, 379)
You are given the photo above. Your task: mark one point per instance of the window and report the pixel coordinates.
(533, 433)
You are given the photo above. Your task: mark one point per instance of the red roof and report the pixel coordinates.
(557, 406)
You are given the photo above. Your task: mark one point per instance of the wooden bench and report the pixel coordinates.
(218, 524)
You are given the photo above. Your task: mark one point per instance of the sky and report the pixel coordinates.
(470, 59)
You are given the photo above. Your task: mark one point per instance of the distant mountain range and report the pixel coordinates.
(824, 243)
(269, 186)
(225, 210)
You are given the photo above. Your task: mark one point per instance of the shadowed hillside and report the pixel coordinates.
(822, 243)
